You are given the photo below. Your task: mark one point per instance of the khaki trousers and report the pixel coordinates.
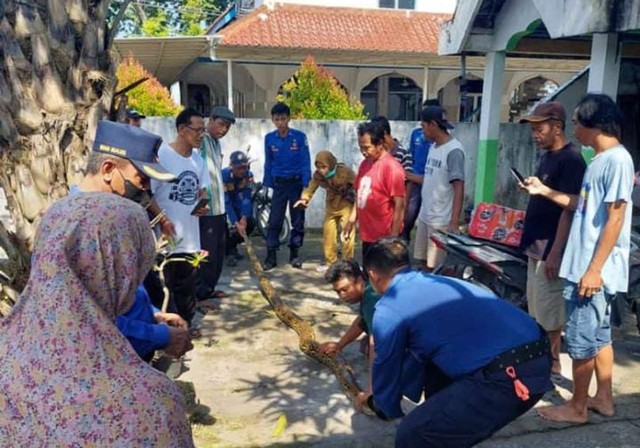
(334, 222)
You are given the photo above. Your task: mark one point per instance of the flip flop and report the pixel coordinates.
(195, 333)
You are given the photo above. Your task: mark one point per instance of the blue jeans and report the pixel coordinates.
(588, 327)
(284, 193)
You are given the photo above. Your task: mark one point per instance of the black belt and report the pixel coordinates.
(518, 355)
(289, 179)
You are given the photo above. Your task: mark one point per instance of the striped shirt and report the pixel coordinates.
(211, 153)
(403, 156)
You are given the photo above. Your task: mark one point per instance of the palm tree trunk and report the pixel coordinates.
(56, 81)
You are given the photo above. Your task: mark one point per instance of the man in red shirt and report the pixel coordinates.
(380, 201)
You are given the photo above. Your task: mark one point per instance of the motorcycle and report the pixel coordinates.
(261, 198)
(262, 210)
(503, 270)
(500, 268)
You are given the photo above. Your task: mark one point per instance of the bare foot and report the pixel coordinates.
(562, 413)
(602, 407)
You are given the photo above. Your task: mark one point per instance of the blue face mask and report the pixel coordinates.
(330, 174)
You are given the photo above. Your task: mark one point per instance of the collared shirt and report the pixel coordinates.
(211, 153)
(286, 156)
(237, 195)
(457, 326)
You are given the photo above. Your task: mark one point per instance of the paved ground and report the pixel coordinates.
(248, 373)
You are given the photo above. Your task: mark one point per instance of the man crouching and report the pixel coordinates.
(480, 361)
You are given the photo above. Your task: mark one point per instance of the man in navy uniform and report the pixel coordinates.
(287, 169)
(465, 348)
(238, 190)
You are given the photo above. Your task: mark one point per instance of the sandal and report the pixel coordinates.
(195, 333)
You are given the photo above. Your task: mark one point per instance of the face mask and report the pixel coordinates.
(330, 174)
(134, 193)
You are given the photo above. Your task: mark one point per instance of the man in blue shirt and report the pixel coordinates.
(238, 200)
(419, 147)
(287, 169)
(465, 348)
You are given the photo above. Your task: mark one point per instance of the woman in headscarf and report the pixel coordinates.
(338, 179)
(67, 375)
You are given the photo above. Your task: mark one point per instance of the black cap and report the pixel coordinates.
(132, 113)
(238, 158)
(437, 114)
(134, 144)
(224, 113)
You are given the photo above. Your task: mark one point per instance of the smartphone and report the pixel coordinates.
(202, 203)
(519, 177)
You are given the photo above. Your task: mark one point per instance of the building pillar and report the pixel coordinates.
(489, 127)
(604, 68)
(425, 86)
(230, 84)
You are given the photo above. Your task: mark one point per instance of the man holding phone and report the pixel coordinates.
(178, 200)
(546, 225)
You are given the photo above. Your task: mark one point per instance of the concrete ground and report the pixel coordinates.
(249, 376)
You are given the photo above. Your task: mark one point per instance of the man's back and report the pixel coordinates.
(456, 325)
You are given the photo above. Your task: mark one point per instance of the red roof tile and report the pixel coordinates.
(291, 26)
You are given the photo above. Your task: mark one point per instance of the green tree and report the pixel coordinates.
(168, 17)
(314, 93)
(151, 98)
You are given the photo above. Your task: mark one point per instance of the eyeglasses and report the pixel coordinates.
(198, 131)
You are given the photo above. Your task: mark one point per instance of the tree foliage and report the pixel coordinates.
(314, 93)
(151, 98)
(157, 18)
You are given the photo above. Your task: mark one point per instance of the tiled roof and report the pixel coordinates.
(291, 26)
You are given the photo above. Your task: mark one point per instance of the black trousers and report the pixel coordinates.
(414, 201)
(213, 239)
(180, 279)
(463, 412)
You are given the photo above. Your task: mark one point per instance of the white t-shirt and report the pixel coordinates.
(178, 198)
(444, 165)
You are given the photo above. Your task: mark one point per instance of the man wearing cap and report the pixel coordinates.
(135, 118)
(213, 226)
(122, 162)
(238, 191)
(546, 225)
(442, 186)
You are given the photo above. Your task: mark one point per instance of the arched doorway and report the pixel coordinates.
(527, 94)
(395, 96)
(462, 99)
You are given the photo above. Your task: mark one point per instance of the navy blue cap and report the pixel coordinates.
(134, 144)
(238, 158)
